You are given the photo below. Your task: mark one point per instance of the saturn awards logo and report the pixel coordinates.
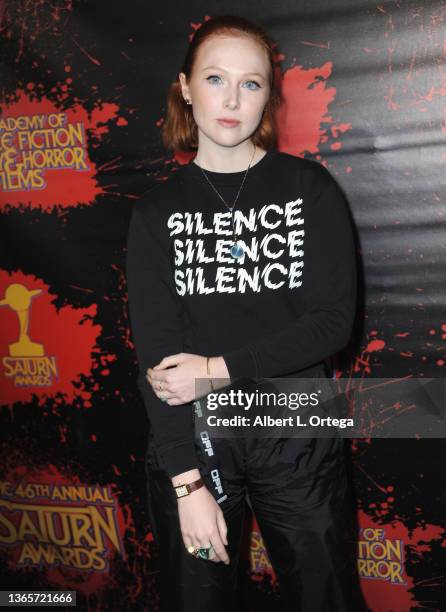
(27, 364)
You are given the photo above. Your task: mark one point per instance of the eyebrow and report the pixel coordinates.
(223, 70)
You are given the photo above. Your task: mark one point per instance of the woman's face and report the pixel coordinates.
(230, 80)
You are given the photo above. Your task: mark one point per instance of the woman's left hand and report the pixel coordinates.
(178, 384)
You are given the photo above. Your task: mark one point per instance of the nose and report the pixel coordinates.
(232, 97)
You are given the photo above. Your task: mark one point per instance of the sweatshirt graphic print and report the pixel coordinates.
(280, 310)
(270, 233)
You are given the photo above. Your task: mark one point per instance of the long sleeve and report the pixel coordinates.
(155, 317)
(328, 292)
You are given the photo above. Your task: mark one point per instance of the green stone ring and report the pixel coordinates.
(200, 553)
(204, 553)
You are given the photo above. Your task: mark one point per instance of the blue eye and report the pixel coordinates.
(257, 86)
(212, 76)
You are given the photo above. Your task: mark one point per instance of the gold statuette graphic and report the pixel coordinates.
(18, 297)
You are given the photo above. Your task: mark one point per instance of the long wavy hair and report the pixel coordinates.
(179, 131)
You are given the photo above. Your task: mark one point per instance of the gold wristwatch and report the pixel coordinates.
(186, 489)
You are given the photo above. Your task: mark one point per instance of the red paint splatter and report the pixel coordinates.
(306, 100)
(375, 345)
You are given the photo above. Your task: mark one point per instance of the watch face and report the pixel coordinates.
(181, 491)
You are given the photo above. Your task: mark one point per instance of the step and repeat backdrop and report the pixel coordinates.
(83, 97)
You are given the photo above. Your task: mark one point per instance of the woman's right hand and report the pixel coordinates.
(202, 523)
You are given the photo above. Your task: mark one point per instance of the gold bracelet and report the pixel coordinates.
(209, 373)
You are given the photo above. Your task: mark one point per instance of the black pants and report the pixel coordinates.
(298, 491)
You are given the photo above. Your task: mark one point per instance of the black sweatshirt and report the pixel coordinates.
(282, 309)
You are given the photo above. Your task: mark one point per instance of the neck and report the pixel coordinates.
(228, 159)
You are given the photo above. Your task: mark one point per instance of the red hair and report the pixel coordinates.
(179, 130)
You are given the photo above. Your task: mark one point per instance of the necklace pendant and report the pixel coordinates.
(237, 251)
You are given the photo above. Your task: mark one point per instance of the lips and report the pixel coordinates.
(228, 122)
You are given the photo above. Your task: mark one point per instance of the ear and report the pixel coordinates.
(184, 86)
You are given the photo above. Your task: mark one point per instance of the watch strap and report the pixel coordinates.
(182, 490)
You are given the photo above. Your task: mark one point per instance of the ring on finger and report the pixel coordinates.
(200, 553)
(160, 388)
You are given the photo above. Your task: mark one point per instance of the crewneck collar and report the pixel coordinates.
(232, 178)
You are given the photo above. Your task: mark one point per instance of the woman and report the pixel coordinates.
(239, 267)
